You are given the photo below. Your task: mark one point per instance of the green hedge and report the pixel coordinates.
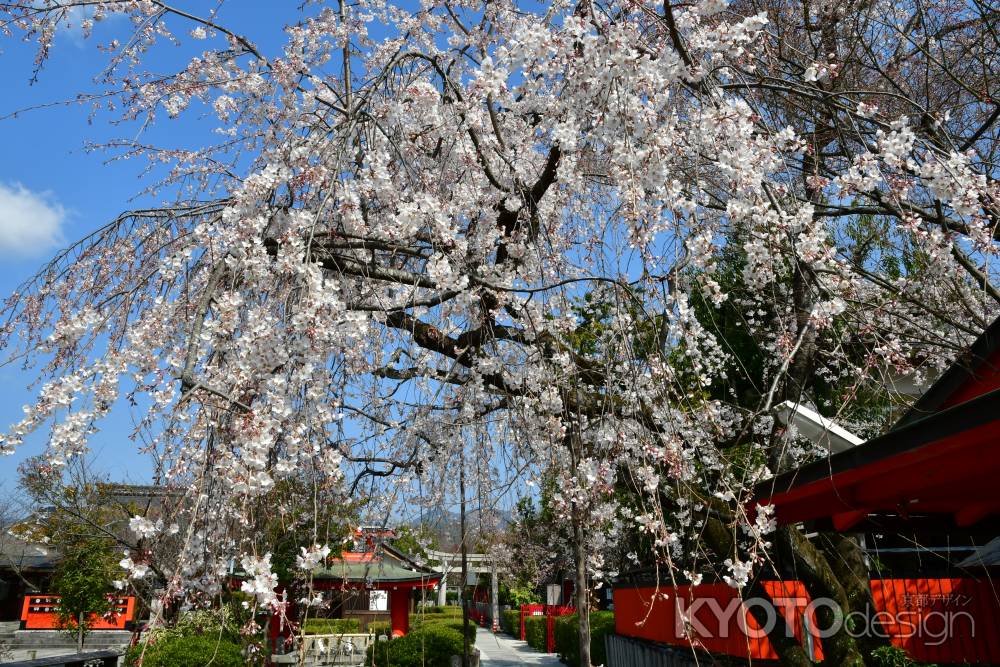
(567, 644)
(510, 622)
(458, 627)
(534, 632)
(380, 628)
(188, 651)
(331, 626)
(443, 620)
(567, 637)
(430, 645)
(447, 610)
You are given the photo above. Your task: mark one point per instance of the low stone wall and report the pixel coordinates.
(97, 639)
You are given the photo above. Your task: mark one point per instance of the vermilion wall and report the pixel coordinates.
(941, 620)
(934, 620)
(39, 612)
(719, 623)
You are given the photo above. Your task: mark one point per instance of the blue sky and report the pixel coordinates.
(52, 191)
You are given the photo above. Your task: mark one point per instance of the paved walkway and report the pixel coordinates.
(500, 650)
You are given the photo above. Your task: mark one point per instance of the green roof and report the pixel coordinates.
(391, 566)
(384, 570)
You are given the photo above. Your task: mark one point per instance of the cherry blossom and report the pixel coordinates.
(526, 239)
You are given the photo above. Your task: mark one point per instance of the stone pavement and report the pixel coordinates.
(500, 650)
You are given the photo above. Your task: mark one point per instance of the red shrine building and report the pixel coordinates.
(375, 583)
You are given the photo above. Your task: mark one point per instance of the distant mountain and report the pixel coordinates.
(446, 525)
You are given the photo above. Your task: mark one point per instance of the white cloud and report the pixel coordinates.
(30, 222)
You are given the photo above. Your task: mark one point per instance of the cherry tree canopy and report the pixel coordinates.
(508, 227)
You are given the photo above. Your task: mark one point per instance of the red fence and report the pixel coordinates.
(709, 616)
(41, 612)
(549, 611)
(941, 620)
(934, 620)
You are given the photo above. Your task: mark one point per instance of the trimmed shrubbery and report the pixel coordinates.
(380, 628)
(567, 642)
(534, 632)
(445, 621)
(195, 639)
(331, 626)
(567, 638)
(510, 622)
(447, 610)
(427, 645)
(187, 651)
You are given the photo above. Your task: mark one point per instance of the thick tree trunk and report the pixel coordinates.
(790, 652)
(820, 581)
(847, 560)
(582, 587)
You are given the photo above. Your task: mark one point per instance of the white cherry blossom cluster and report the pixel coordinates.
(542, 244)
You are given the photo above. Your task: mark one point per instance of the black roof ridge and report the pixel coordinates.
(908, 437)
(407, 559)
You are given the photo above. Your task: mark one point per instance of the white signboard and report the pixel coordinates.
(378, 600)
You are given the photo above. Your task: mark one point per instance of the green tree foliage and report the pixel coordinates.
(415, 540)
(516, 595)
(297, 513)
(748, 379)
(83, 582)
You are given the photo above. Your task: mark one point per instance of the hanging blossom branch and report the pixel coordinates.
(562, 222)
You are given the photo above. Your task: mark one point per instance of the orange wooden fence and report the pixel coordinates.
(934, 620)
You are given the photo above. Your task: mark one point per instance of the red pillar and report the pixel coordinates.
(399, 610)
(278, 629)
